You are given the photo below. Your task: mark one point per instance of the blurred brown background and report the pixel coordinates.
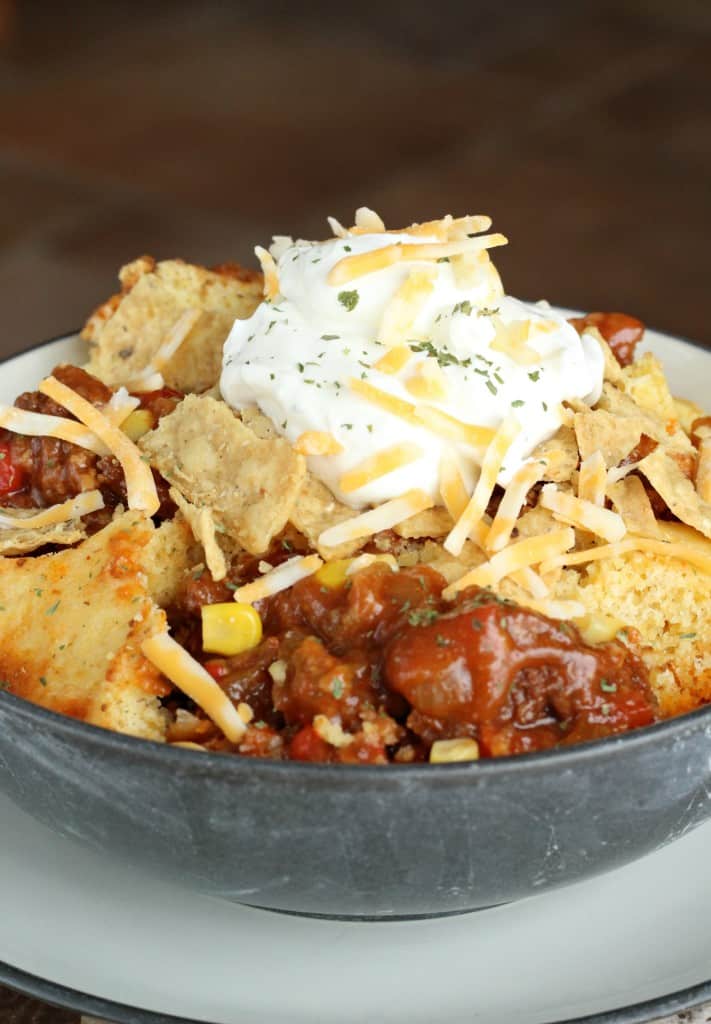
(199, 129)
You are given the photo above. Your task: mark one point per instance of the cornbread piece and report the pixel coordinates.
(128, 333)
(667, 601)
(216, 462)
(71, 626)
(169, 555)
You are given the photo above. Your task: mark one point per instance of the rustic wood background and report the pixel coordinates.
(197, 130)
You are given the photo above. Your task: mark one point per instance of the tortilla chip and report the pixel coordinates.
(632, 502)
(71, 625)
(646, 384)
(202, 524)
(612, 369)
(686, 412)
(317, 510)
(433, 522)
(536, 521)
(21, 542)
(449, 566)
(216, 462)
(258, 423)
(664, 432)
(674, 488)
(613, 436)
(561, 453)
(157, 296)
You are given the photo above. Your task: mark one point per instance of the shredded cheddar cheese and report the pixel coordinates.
(491, 467)
(669, 549)
(269, 269)
(592, 481)
(151, 377)
(375, 466)
(394, 359)
(384, 517)
(352, 267)
(87, 501)
(519, 555)
(189, 676)
(140, 486)
(428, 382)
(281, 578)
(36, 424)
(317, 442)
(578, 512)
(512, 502)
(398, 321)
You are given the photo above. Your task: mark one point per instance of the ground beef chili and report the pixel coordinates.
(397, 668)
(621, 332)
(36, 472)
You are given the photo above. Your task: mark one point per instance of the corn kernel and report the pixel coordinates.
(448, 751)
(598, 628)
(230, 628)
(137, 423)
(333, 574)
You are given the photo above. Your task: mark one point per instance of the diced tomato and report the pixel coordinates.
(307, 745)
(217, 668)
(11, 476)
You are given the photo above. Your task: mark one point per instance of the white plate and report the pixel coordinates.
(626, 947)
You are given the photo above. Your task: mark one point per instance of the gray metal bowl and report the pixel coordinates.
(368, 842)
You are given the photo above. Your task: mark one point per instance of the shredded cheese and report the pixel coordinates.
(428, 382)
(88, 501)
(529, 580)
(440, 423)
(453, 429)
(512, 340)
(352, 267)
(269, 269)
(490, 469)
(120, 406)
(140, 485)
(36, 424)
(281, 578)
(189, 676)
(380, 464)
(384, 517)
(592, 480)
(150, 378)
(317, 442)
(684, 552)
(368, 221)
(519, 555)
(618, 473)
(578, 512)
(452, 487)
(363, 561)
(556, 609)
(400, 314)
(394, 359)
(512, 502)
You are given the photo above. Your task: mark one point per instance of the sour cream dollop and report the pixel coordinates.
(486, 356)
